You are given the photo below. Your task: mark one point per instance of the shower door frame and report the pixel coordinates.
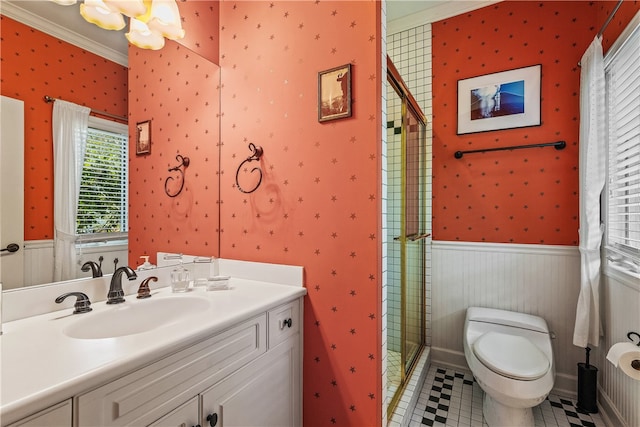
(408, 104)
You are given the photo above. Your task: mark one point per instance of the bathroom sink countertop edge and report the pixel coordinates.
(41, 365)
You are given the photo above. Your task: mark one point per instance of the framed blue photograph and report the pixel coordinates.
(504, 100)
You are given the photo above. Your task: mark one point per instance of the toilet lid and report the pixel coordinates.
(512, 356)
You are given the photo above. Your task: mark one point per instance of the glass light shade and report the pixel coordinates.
(131, 8)
(65, 2)
(96, 12)
(141, 36)
(165, 19)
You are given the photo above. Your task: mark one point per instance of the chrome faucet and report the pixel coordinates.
(116, 294)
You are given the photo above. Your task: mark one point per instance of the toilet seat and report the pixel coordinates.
(511, 356)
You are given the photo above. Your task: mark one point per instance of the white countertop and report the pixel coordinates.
(41, 366)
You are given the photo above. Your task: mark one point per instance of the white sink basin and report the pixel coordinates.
(134, 318)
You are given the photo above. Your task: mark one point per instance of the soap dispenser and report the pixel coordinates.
(146, 265)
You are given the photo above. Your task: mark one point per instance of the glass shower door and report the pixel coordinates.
(412, 240)
(406, 225)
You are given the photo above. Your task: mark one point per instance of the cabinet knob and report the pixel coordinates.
(286, 323)
(213, 419)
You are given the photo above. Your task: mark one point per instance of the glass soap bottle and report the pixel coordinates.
(180, 278)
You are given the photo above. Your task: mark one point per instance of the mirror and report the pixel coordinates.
(95, 84)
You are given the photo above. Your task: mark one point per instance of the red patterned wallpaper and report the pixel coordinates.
(33, 65)
(522, 196)
(620, 20)
(526, 196)
(182, 105)
(319, 204)
(179, 91)
(202, 19)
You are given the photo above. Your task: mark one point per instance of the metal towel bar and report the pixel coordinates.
(559, 145)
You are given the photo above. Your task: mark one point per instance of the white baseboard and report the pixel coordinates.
(566, 385)
(449, 359)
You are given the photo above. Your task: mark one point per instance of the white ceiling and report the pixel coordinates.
(66, 23)
(397, 9)
(406, 14)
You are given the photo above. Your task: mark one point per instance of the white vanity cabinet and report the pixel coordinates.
(186, 415)
(248, 375)
(56, 416)
(266, 392)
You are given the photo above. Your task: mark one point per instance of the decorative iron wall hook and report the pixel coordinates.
(184, 163)
(257, 152)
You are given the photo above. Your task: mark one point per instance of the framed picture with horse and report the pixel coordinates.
(334, 93)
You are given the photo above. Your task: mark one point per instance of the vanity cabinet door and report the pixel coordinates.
(264, 393)
(183, 416)
(56, 416)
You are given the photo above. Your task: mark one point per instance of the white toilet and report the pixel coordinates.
(511, 358)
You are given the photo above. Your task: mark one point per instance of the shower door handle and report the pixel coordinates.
(414, 237)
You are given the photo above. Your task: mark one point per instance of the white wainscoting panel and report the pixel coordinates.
(38, 262)
(38, 259)
(536, 279)
(619, 395)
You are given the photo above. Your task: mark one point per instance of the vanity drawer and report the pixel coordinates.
(284, 321)
(145, 395)
(56, 416)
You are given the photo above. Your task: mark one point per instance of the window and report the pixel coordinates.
(102, 204)
(622, 74)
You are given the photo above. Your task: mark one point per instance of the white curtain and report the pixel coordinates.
(592, 175)
(69, 141)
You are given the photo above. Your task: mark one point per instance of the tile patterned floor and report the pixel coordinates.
(450, 398)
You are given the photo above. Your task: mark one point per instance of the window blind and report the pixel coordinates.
(622, 74)
(102, 204)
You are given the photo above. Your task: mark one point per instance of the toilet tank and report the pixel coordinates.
(507, 318)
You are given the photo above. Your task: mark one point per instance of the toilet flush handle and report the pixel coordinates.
(552, 335)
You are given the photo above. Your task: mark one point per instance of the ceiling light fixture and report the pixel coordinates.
(150, 21)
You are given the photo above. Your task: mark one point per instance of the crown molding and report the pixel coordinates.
(25, 17)
(436, 13)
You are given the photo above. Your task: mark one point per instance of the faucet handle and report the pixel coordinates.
(143, 290)
(96, 270)
(82, 305)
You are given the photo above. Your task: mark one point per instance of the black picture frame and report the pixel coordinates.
(504, 100)
(334, 93)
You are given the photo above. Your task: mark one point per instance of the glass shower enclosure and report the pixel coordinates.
(406, 228)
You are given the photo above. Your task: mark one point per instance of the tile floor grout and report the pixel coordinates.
(451, 398)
